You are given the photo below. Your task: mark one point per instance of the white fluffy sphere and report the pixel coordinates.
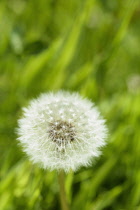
(61, 131)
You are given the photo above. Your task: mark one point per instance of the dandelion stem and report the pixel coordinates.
(63, 197)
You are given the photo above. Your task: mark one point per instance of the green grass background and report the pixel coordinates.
(88, 46)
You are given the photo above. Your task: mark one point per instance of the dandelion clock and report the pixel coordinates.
(61, 131)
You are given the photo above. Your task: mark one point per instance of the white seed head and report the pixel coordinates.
(61, 131)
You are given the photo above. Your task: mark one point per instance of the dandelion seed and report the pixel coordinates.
(61, 131)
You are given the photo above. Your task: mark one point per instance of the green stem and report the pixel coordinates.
(63, 197)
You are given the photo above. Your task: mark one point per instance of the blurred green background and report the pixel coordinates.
(89, 46)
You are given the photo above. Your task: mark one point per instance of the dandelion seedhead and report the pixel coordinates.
(61, 131)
